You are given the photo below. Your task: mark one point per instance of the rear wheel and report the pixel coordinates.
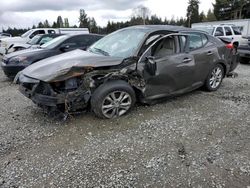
(214, 78)
(113, 99)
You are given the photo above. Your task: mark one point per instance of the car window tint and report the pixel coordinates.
(88, 40)
(164, 47)
(237, 30)
(85, 41)
(51, 31)
(219, 32)
(81, 41)
(73, 41)
(228, 31)
(195, 41)
(36, 33)
(45, 39)
(204, 39)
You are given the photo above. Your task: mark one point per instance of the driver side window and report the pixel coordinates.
(36, 33)
(164, 47)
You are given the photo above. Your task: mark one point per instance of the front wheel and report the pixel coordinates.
(214, 78)
(113, 99)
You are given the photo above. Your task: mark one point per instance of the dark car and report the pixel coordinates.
(35, 42)
(17, 61)
(142, 63)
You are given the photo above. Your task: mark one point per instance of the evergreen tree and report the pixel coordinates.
(46, 24)
(54, 25)
(40, 25)
(59, 22)
(83, 19)
(231, 9)
(93, 26)
(210, 16)
(193, 12)
(66, 22)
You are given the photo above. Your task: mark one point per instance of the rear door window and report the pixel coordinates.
(237, 30)
(195, 41)
(228, 31)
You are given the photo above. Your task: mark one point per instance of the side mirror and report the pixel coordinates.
(151, 65)
(67, 46)
(64, 47)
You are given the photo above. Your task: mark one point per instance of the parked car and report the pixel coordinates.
(35, 42)
(4, 35)
(244, 51)
(7, 42)
(238, 31)
(139, 63)
(17, 61)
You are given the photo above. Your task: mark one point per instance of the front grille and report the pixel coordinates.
(44, 89)
(5, 60)
(28, 86)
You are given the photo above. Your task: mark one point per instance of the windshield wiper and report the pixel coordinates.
(102, 51)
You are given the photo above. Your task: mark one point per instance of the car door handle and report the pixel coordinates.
(209, 53)
(186, 60)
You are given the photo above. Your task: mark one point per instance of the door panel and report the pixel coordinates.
(204, 59)
(173, 73)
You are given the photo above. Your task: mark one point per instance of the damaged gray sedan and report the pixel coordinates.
(139, 63)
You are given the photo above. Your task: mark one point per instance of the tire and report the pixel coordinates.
(113, 99)
(244, 60)
(214, 78)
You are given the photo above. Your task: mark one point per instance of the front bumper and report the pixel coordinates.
(41, 99)
(74, 101)
(11, 70)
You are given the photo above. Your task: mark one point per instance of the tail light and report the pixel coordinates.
(230, 46)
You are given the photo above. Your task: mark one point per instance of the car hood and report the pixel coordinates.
(29, 53)
(24, 45)
(70, 64)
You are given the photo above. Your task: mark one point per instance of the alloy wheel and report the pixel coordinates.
(116, 104)
(216, 77)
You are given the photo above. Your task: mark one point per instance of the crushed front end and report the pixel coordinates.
(67, 96)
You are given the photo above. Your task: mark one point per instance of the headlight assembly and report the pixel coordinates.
(19, 60)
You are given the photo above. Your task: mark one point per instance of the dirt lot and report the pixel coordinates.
(199, 139)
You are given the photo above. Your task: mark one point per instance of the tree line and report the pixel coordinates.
(222, 10)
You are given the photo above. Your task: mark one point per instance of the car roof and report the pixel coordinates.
(153, 28)
(170, 28)
(84, 34)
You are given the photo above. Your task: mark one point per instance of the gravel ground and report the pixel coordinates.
(198, 140)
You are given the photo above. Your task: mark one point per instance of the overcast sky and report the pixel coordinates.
(25, 13)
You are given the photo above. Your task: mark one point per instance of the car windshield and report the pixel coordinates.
(55, 42)
(209, 30)
(26, 34)
(34, 40)
(122, 43)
